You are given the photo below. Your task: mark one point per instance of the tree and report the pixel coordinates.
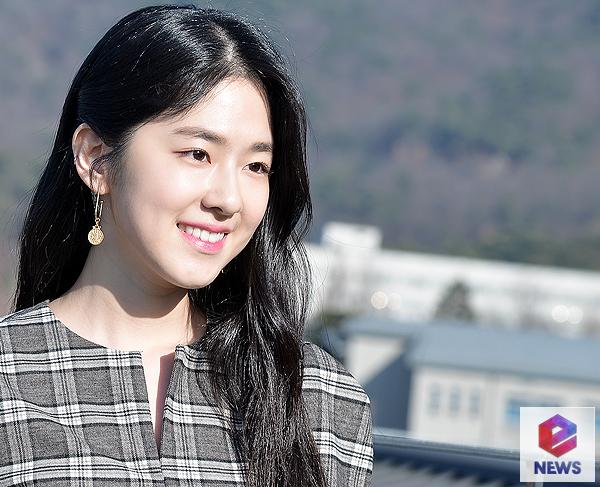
(454, 303)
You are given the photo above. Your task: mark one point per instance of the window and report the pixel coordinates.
(454, 404)
(474, 402)
(513, 405)
(434, 399)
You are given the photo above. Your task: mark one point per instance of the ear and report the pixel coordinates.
(87, 147)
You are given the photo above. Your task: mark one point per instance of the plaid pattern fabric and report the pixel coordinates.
(75, 413)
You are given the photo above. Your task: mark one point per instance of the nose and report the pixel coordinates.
(223, 190)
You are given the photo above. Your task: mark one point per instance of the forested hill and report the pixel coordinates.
(468, 127)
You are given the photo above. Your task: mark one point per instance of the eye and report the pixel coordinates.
(198, 154)
(260, 168)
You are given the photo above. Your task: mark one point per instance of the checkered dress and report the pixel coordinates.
(75, 413)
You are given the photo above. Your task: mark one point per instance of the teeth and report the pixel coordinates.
(204, 235)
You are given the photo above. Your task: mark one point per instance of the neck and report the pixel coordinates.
(110, 307)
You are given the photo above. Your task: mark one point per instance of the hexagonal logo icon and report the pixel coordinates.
(557, 442)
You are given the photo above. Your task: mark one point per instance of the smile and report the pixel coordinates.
(204, 235)
(203, 240)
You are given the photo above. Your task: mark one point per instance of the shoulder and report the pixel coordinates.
(325, 372)
(23, 325)
(339, 413)
(30, 315)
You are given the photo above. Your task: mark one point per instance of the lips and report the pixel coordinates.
(200, 239)
(202, 234)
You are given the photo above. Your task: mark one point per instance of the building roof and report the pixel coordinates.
(470, 346)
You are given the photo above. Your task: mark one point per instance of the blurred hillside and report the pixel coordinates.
(461, 127)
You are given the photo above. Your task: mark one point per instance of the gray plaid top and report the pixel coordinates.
(75, 413)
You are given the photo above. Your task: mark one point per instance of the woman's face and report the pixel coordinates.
(204, 173)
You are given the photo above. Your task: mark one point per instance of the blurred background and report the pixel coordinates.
(454, 161)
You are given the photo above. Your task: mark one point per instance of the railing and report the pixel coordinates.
(393, 447)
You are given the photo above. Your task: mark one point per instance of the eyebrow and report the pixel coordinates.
(211, 136)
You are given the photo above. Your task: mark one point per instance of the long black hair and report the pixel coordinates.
(158, 62)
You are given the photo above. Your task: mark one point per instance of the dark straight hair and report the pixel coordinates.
(155, 63)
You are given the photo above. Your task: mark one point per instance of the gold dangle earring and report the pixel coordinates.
(95, 235)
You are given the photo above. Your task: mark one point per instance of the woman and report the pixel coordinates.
(156, 336)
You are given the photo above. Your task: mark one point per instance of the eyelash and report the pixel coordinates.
(265, 169)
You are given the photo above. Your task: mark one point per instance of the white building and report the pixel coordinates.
(460, 383)
(353, 274)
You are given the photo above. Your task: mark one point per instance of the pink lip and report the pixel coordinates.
(201, 245)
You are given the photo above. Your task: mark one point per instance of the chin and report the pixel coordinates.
(197, 283)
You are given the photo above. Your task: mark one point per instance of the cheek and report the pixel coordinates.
(257, 206)
(159, 191)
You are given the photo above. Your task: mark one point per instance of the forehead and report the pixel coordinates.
(235, 109)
